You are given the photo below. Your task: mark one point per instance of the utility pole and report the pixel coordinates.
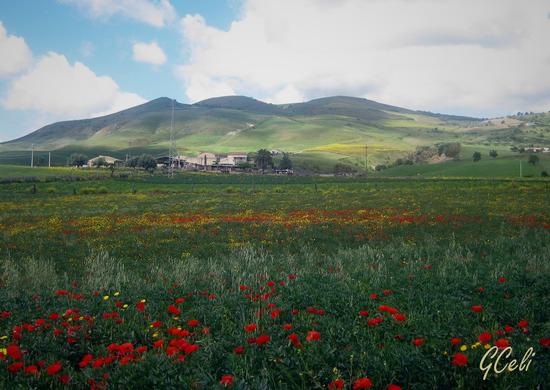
(32, 155)
(49, 159)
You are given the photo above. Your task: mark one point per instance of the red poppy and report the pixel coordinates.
(508, 328)
(14, 367)
(140, 306)
(399, 317)
(455, 341)
(477, 308)
(275, 313)
(172, 309)
(242, 287)
(362, 383)
(14, 352)
(502, 280)
(545, 342)
(294, 340)
(394, 387)
(193, 323)
(459, 359)
(523, 324)
(227, 380)
(179, 301)
(54, 368)
(85, 360)
(158, 344)
(485, 337)
(287, 326)
(313, 335)
(363, 313)
(239, 350)
(418, 342)
(502, 343)
(374, 296)
(31, 370)
(375, 321)
(250, 328)
(65, 379)
(388, 292)
(337, 384)
(262, 339)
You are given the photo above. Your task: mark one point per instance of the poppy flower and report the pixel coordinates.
(508, 328)
(172, 309)
(455, 341)
(418, 342)
(193, 323)
(523, 324)
(54, 368)
(394, 387)
(227, 380)
(275, 313)
(250, 328)
(502, 343)
(399, 317)
(31, 370)
(313, 335)
(287, 326)
(179, 301)
(14, 352)
(65, 379)
(294, 340)
(262, 339)
(459, 359)
(158, 344)
(477, 308)
(14, 367)
(140, 306)
(545, 342)
(485, 337)
(362, 383)
(85, 360)
(374, 296)
(375, 321)
(243, 287)
(239, 350)
(337, 384)
(363, 313)
(388, 292)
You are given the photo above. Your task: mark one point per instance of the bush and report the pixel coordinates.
(544, 174)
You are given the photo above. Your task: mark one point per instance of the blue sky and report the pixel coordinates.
(70, 59)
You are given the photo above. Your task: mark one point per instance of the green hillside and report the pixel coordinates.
(320, 133)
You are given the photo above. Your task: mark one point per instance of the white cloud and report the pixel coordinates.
(56, 87)
(156, 13)
(150, 53)
(15, 54)
(468, 56)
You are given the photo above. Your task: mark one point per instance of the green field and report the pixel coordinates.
(207, 281)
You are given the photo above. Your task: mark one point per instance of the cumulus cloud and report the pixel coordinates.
(150, 53)
(16, 56)
(56, 87)
(156, 13)
(466, 56)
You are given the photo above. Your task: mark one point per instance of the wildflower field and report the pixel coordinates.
(211, 281)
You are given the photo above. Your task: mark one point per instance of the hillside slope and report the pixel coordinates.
(333, 129)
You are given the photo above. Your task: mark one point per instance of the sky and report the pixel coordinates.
(72, 59)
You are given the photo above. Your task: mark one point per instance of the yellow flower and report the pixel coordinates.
(117, 294)
(3, 337)
(463, 348)
(445, 353)
(142, 301)
(487, 346)
(3, 351)
(106, 297)
(155, 334)
(125, 306)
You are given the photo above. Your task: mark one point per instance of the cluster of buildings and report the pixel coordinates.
(537, 150)
(206, 161)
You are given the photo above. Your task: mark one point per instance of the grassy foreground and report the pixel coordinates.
(272, 282)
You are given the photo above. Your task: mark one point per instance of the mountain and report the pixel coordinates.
(321, 131)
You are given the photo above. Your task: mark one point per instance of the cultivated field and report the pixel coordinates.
(207, 281)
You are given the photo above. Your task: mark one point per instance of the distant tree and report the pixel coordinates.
(147, 162)
(263, 159)
(493, 153)
(100, 162)
(544, 174)
(450, 149)
(514, 149)
(133, 162)
(77, 160)
(285, 163)
(533, 159)
(476, 156)
(343, 169)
